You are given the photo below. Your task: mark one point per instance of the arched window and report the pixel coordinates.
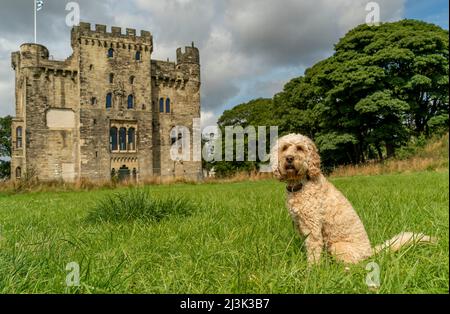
(134, 174)
(113, 173)
(113, 138)
(19, 141)
(111, 78)
(131, 139)
(161, 105)
(93, 101)
(138, 56)
(132, 80)
(110, 53)
(168, 105)
(108, 100)
(18, 173)
(130, 102)
(123, 139)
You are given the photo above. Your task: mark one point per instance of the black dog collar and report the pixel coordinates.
(294, 188)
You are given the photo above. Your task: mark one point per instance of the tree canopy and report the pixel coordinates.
(5, 146)
(382, 85)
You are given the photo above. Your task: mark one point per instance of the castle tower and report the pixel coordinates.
(98, 114)
(176, 94)
(115, 97)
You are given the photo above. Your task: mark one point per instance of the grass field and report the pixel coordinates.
(239, 239)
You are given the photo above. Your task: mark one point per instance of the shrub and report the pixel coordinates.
(138, 204)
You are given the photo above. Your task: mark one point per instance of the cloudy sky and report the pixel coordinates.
(249, 48)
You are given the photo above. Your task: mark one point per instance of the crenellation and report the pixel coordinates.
(131, 32)
(117, 31)
(100, 28)
(85, 26)
(84, 31)
(189, 55)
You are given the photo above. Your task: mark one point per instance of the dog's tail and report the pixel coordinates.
(403, 239)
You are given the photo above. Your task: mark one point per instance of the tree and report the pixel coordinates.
(258, 112)
(5, 146)
(382, 85)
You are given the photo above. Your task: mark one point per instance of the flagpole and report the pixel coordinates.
(35, 23)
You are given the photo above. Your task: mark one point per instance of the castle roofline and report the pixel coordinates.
(33, 44)
(100, 30)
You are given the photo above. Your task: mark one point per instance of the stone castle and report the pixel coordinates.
(107, 111)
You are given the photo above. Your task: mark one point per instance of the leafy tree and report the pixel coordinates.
(382, 85)
(258, 112)
(5, 146)
(5, 136)
(5, 169)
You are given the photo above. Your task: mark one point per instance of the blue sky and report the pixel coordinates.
(433, 11)
(249, 48)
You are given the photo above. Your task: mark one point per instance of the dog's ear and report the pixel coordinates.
(314, 170)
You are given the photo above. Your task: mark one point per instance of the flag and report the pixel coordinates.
(39, 5)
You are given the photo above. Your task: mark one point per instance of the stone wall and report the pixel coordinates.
(62, 106)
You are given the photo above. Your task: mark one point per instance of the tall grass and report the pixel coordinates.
(432, 156)
(138, 204)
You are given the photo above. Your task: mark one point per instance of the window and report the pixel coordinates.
(113, 138)
(138, 56)
(18, 173)
(131, 139)
(134, 173)
(123, 139)
(132, 80)
(110, 53)
(161, 105)
(113, 173)
(19, 137)
(168, 105)
(93, 101)
(130, 102)
(111, 78)
(108, 100)
(91, 67)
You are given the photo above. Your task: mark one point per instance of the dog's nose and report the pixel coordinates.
(290, 159)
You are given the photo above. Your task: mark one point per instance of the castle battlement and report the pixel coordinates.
(100, 35)
(188, 55)
(37, 56)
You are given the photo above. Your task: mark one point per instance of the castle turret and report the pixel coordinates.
(189, 62)
(190, 55)
(31, 55)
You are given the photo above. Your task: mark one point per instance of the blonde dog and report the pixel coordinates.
(320, 212)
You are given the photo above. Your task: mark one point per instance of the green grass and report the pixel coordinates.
(239, 239)
(138, 204)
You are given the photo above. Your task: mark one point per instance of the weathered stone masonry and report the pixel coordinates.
(107, 110)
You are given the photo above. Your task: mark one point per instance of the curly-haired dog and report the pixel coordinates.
(322, 213)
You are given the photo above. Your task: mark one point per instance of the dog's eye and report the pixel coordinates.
(284, 148)
(299, 148)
